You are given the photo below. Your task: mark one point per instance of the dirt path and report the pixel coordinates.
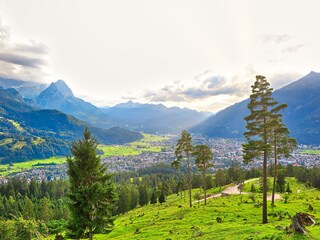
(233, 190)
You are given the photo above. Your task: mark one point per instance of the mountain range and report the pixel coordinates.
(302, 115)
(150, 118)
(28, 132)
(154, 118)
(40, 121)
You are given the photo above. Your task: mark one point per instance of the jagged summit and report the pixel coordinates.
(59, 96)
(53, 96)
(63, 88)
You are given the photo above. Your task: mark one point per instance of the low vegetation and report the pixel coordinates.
(222, 218)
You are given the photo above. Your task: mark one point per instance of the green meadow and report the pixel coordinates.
(7, 169)
(311, 152)
(16, 125)
(146, 144)
(229, 217)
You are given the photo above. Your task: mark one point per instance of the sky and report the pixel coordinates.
(203, 55)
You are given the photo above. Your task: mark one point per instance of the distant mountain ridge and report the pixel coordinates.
(302, 115)
(154, 118)
(27, 89)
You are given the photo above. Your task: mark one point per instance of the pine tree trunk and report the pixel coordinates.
(189, 179)
(205, 187)
(265, 187)
(275, 173)
(90, 235)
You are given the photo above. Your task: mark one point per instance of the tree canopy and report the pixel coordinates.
(92, 192)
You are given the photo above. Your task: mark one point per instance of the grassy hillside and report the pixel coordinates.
(240, 218)
(134, 148)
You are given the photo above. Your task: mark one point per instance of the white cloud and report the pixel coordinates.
(23, 61)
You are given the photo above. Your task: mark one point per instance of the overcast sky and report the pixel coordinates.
(198, 54)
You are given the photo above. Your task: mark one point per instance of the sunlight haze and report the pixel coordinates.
(203, 55)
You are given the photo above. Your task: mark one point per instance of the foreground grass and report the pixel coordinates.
(240, 218)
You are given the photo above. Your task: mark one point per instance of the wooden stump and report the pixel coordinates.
(299, 221)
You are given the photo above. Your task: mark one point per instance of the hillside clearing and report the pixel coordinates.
(228, 217)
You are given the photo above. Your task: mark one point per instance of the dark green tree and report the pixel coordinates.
(203, 156)
(143, 195)
(92, 192)
(162, 198)
(281, 181)
(260, 125)
(124, 198)
(183, 151)
(283, 145)
(153, 198)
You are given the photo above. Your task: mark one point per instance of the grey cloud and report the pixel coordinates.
(22, 60)
(9, 70)
(211, 86)
(32, 47)
(215, 81)
(194, 93)
(276, 38)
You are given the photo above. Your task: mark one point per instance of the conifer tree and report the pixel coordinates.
(203, 155)
(92, 192)
(153, 198)
(162, 198)
(183, 151)
(283, 145)
(260, 124)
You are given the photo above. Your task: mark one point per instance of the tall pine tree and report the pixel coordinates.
(183, 152)
(92, 191)
(260, 124)
(203, 155)
(282, 144)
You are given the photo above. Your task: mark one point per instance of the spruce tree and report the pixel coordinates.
(203, 155)
(153, 198)
(260, 124)
(92, 192)
(183, 151)
(162, 198)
